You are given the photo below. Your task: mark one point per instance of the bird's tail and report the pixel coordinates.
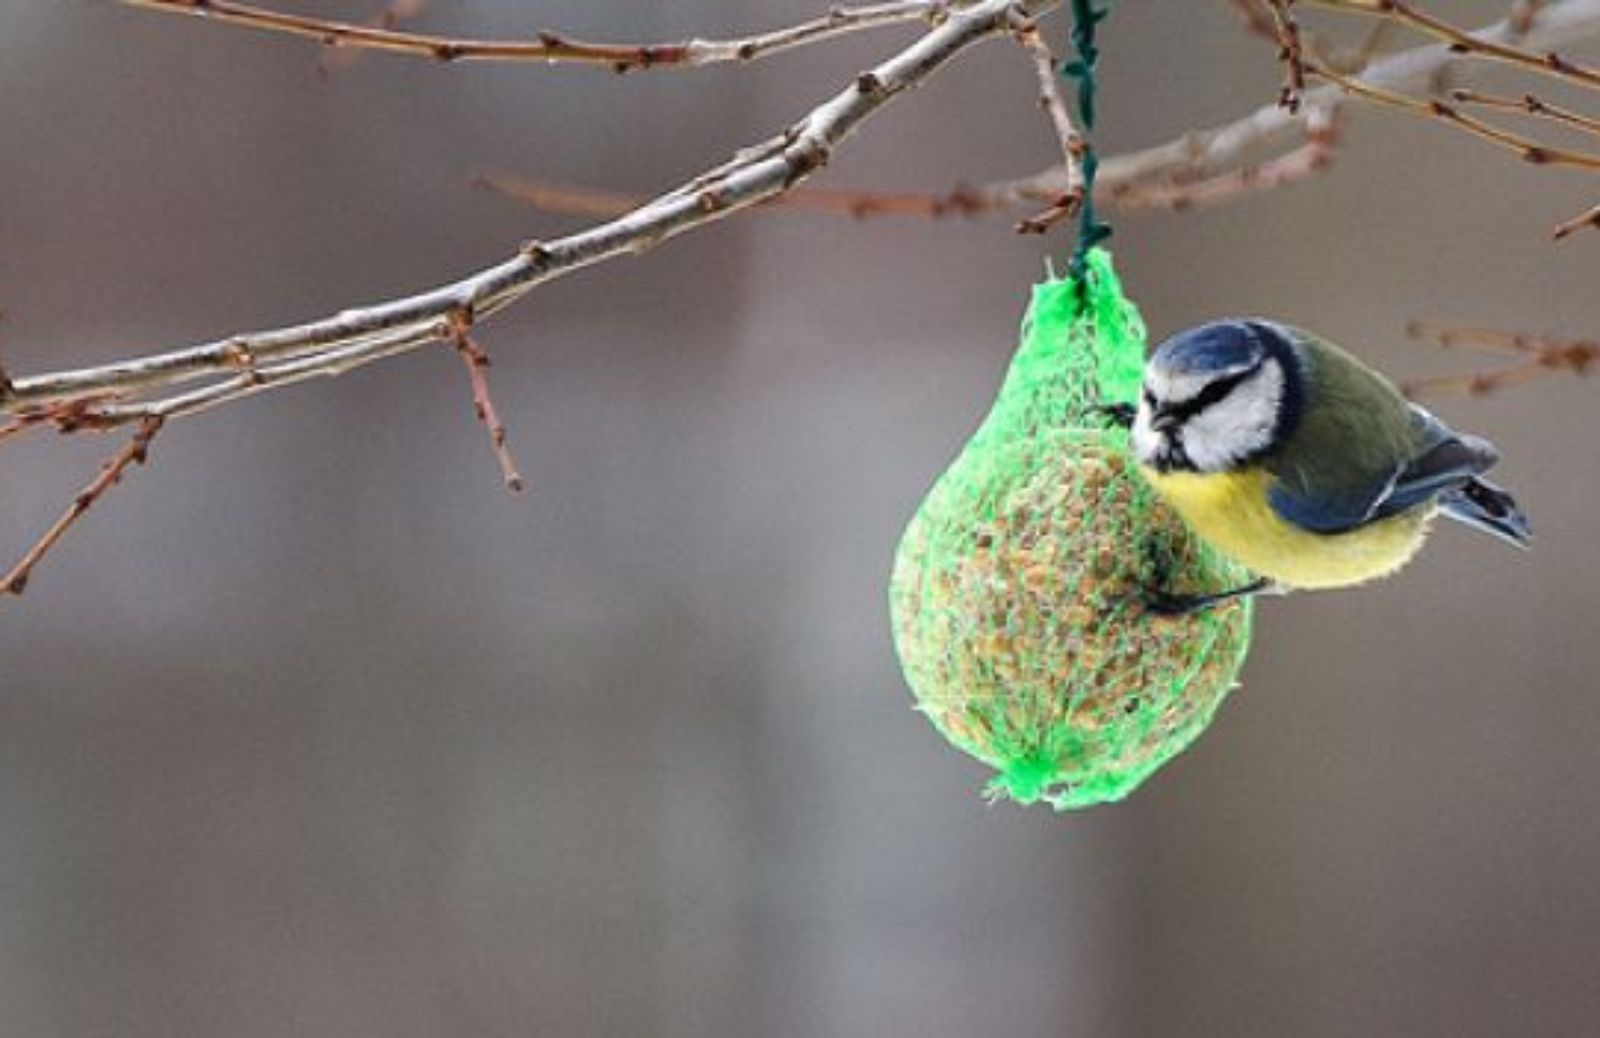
(1480, 503)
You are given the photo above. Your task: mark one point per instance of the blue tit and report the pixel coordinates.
(1299, 462)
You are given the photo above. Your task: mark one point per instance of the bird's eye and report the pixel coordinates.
(1149, 399)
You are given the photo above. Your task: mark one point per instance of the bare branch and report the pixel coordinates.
(551, 48)
(333, 57)
(1530, 104)
(133, 453)
(1261, 18)
(1292, 167)
(1126, 187)
(1525, 147)
(15, 427)
(1287, 31)
(1588, 218)
(254, 378)
(1542, 355)
(580, 200)
(1067, 205)
(1201, 153)
(1455, 336)
(358, 336)
(248, 363)
(1522, 22)
(477, 364)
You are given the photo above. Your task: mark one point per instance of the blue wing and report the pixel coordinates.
(1443, 462)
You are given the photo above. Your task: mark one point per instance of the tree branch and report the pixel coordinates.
(1590, 217)
(1540, 355)
(762, 174)
(1528, 149)
(1500, 47)
(1203, 152)
(1156, 176)
(1126, 188)
(1530, 104)
(133, 452)
(1182, 194)
(333, 57)
(1067, 205)
(551, 48)
(476, 361)
(144, 390)
(251, 362)
(580, 200)
(1287, 31)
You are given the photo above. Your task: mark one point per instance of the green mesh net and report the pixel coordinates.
(1016, 595)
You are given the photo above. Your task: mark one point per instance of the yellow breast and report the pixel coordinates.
(1230, 511)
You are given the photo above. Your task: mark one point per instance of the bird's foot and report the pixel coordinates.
(1118, 416)
(1165, 603)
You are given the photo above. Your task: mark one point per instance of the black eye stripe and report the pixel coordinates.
(1213, 393)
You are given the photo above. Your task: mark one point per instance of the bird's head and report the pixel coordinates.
(1217, 397)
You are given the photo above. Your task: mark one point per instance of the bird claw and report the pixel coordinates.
(1165, 603)
(1119, 416)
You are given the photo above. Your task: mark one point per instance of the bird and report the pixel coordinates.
(1296, 460)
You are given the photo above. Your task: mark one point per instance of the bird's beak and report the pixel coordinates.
(1163, 420)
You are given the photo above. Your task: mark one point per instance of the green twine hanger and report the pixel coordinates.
(1086, 19)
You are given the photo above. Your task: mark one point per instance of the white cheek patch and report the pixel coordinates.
(1237, 426)
(1146, 442)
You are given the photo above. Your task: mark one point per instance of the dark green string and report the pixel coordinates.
(1086, 19)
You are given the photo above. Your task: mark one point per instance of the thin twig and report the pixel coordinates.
(256, 379)
(1115, 189)
(1261, 19)
(1588, 218)
(1290, 53)
(134, 452)
(68, 416)
(1543, 355)
(1478, 383)
(1463, 41)
(552, 48)
(1313, 157)
(16, 427)
(1527, 148)
(578, 200)
(1072, 143)
(333, 57)
(477, 365)
(1454, 336)
(1530, 104)
(1057, 213)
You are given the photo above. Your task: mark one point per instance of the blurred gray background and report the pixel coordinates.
(312, 730)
